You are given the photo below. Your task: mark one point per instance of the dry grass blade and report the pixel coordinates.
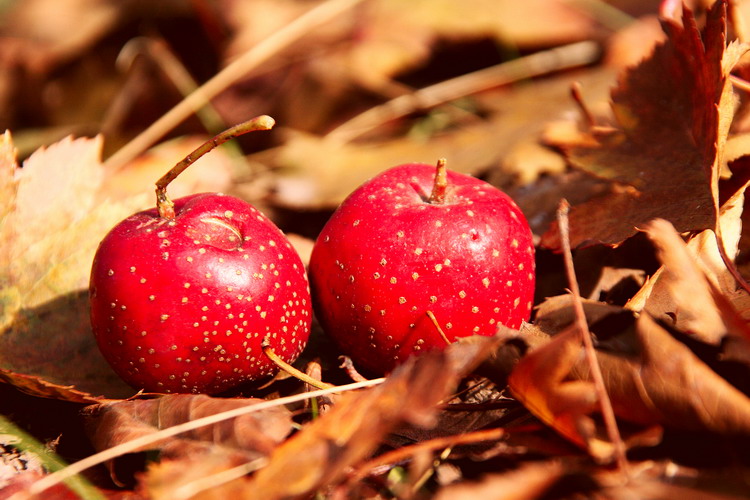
(541, 63)
(580, 320)
(127, 447)
(230, 74)
(194, 488)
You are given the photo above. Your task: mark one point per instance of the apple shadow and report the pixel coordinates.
(50, 351)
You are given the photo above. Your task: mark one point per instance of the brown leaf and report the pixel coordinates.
(348, 433)
(541, 381)
(651, 379)
(663, 160)
(381, 39)
(527, 482)
(396, 39)
(110, 424)
(684, 294)
(197, 476)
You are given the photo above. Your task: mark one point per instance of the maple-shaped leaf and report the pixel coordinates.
(50, 227)
(673, 112)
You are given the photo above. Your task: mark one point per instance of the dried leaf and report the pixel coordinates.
(541, 381)
(669, 381)
(110, 424)
(651, 378)
(59, 32)
(198, 476)
(527, 482)
(349, 432)
(396, 39)
(684, 294)
(664, 159)
(50, 235)
(694, 284)
(383, 39)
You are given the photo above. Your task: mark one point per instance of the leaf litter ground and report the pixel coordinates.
(515, 416)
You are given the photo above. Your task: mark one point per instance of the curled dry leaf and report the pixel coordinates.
(320, 454)
(541, 381)
(694, 289)
(250, 435)
(51, 227)
(663, 159)
(687, 292)
(651, 378)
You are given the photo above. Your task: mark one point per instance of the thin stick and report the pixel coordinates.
(238, 68)
(739, 83)
(165, 60)
(163, 203)
(541, 63)
(135, 444)
(608, 414)
(300, 375)
(419, 483)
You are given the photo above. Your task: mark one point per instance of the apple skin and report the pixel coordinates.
(183, 305)
(388, 255)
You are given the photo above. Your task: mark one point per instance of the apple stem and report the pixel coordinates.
(283, 365)
(440, 184)
(434, 320)
(163, 203)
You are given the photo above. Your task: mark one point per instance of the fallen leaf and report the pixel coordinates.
(321, 453)
(52, 229)
(369, 46)
(664, 157)
(197, 476)
(541, 381)
(529, 481)
(689, 291)
(385, 49)
(110, 424)
(678, 389)
(651, 379)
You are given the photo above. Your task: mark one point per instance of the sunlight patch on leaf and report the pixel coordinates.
(52, 228)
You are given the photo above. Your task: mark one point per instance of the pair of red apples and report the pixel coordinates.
(184, 297)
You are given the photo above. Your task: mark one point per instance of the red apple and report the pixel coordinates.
(183, 296)
(414, 242)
